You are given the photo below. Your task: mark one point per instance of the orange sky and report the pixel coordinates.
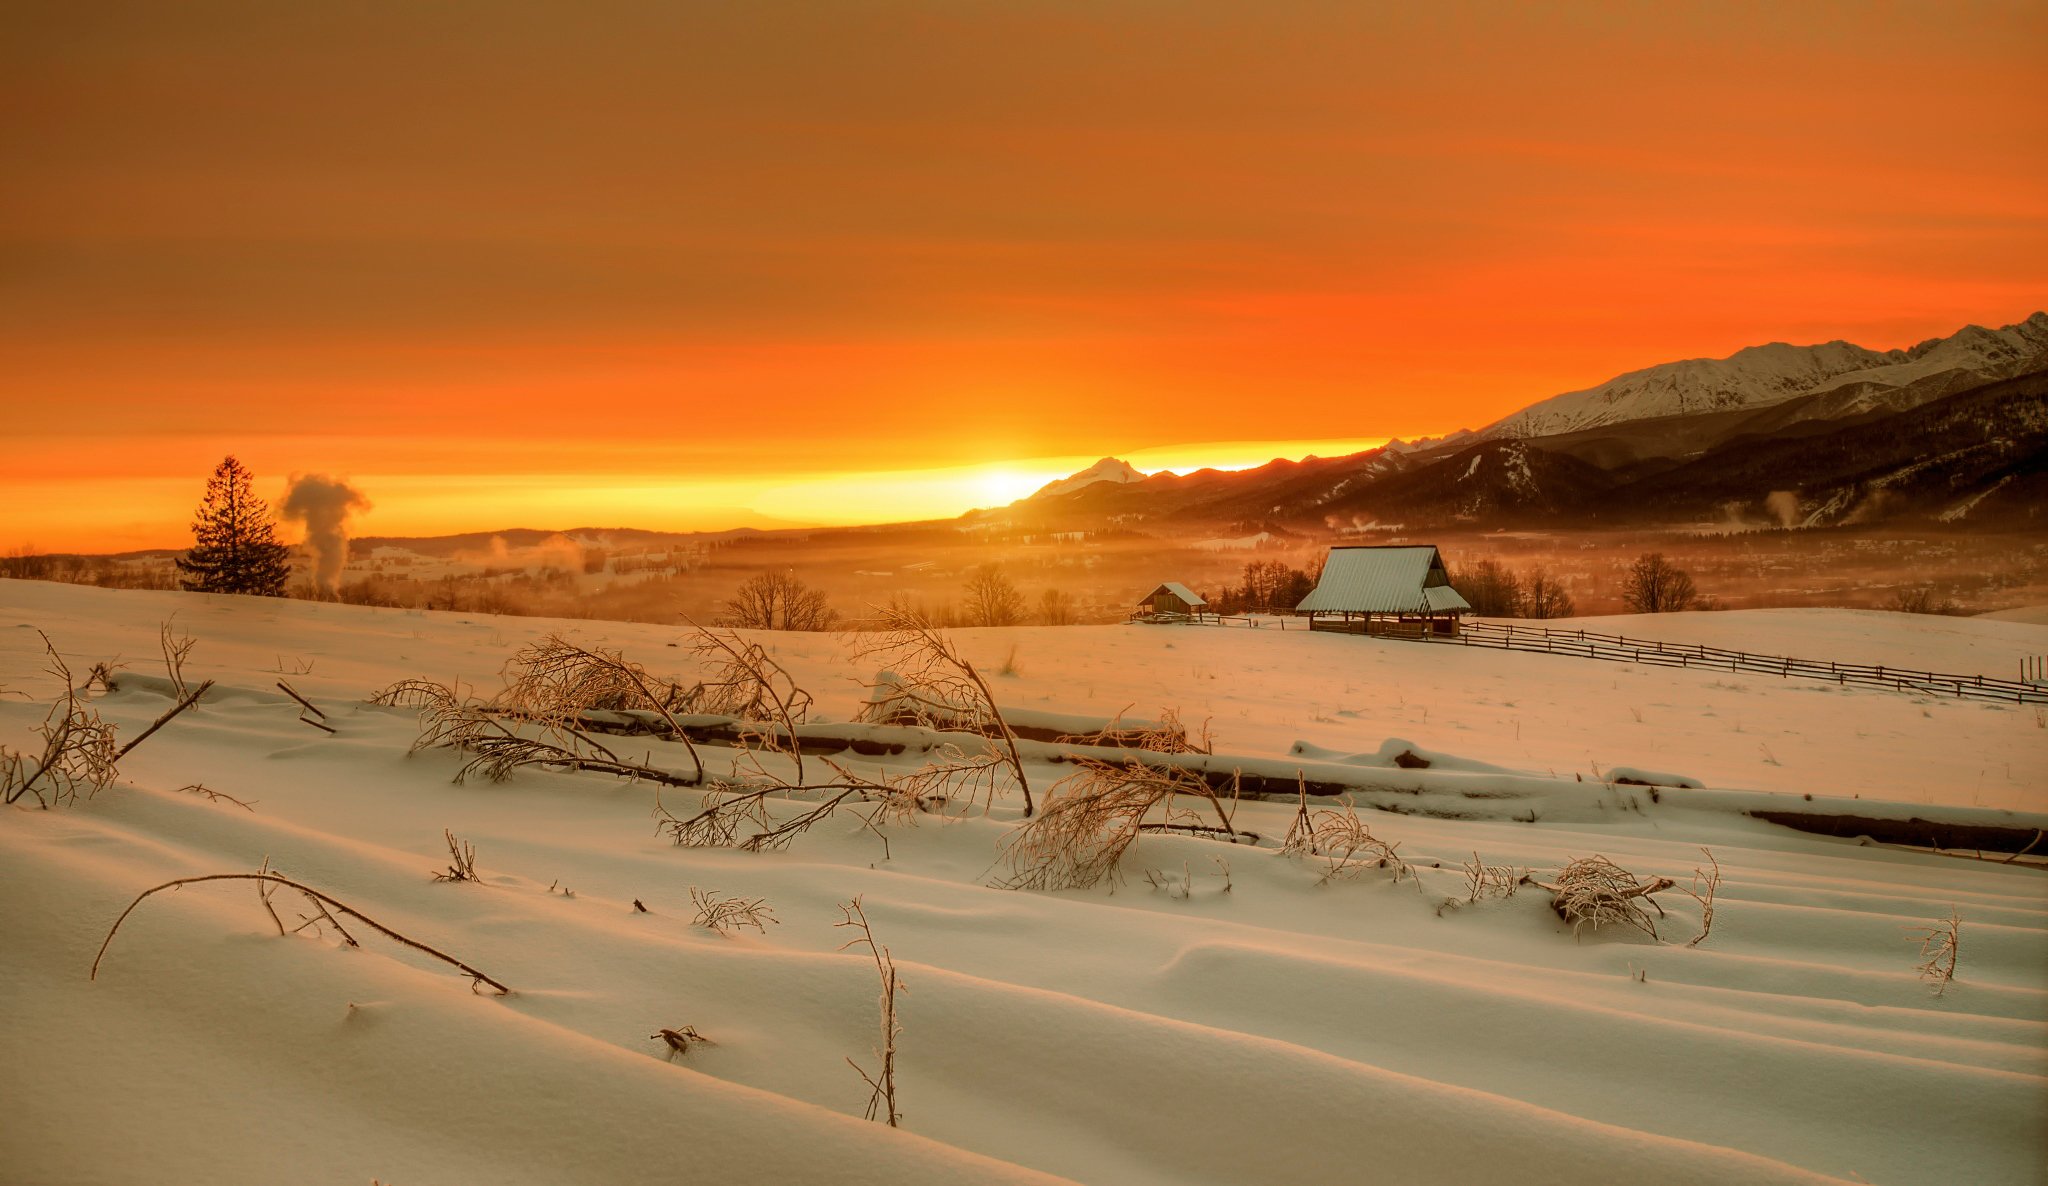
(690, 265)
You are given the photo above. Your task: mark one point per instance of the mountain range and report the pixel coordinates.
(1954, 429)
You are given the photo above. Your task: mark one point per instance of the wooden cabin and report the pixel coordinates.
(1390, 590)
(1173, 598)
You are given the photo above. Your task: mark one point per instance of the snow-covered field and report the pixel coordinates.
(1238, 1022)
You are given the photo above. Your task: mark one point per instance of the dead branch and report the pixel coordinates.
(881, 1084)
(191, 698)
(930, 671)
(304, 703)
(320, 902)
(214, 796)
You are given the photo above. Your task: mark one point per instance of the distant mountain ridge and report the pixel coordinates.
(1953, 429)
(1763, 376)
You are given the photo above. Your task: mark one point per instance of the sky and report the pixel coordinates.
(694, 265)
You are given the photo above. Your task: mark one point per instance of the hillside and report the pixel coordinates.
(1046, 1036)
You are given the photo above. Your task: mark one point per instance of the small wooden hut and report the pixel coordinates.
(1392, 590)
(1173, 598)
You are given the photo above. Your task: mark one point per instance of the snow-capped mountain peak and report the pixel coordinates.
(1109, 469)
(1760, 376)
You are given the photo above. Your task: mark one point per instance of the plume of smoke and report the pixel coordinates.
(1785, 505)
(323, 504)
(557, 551)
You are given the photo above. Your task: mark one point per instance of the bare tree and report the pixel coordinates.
(993, 599)
(778, 601)
(1940, 943)
(1493, 590)
(1654, 585)
(1544, 596)
(1056, 607)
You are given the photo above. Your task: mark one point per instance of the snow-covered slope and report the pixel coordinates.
(1761, 376)
(1339, 1027)
(1109, 469)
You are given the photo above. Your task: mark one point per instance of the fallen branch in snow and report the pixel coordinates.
(730, 810)
(1940, 944)
(881, 1084)
(197, 788)
(320, 902)
(1093, 815)
(309, 713)
(1594, 890)
(932, 676)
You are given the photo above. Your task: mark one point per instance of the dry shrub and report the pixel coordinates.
(1093, 815)
(1484, 881)
(726, 915)
(1342, 841)
(1594, 891)
(1940, 945)
(79, 755)
(461, 860)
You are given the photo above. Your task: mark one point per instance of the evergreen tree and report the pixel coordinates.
(235, 548)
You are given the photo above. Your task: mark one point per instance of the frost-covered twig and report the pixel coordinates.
(882, 1083)
(1704, 887)
(1940, 945)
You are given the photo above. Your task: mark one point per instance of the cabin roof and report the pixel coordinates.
(1188, 596)
(1384, 579)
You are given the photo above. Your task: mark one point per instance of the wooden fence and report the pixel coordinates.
(1587, 644)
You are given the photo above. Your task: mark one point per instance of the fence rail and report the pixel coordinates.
(1588, 644)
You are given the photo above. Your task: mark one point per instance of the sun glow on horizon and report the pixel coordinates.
(138, 513)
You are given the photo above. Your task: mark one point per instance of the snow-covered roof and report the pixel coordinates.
(1188, 596)
(1383, 580)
